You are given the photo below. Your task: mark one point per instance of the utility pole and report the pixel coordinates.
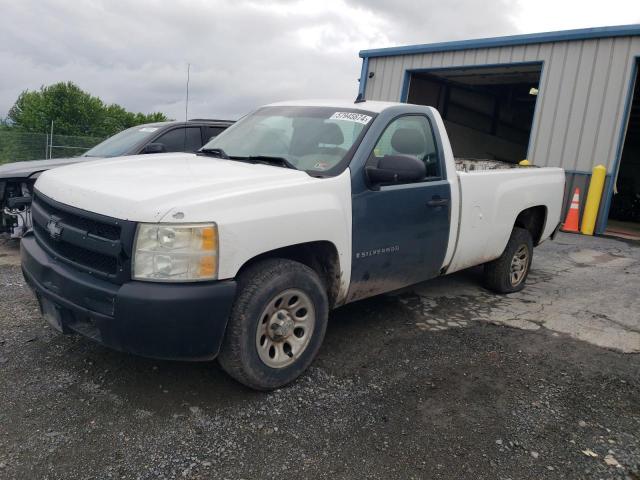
(186, 109)
(51, 141)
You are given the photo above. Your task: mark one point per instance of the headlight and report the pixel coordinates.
(175, 253)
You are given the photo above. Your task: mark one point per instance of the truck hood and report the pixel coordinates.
(145, 188)
(28, 167)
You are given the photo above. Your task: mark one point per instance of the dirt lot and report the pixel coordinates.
(442, 381)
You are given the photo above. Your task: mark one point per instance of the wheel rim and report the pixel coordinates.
(285, 328)
(519, 265)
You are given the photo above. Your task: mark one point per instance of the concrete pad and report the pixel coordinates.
(585, 287)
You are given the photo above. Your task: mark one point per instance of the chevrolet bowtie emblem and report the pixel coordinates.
(54, 228)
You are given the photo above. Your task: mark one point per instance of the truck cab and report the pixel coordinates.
(240, 250)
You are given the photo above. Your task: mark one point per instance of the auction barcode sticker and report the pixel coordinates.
(352, 117)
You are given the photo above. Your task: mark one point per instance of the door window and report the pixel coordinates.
(410, 135)
(212, 132)
(177, 141)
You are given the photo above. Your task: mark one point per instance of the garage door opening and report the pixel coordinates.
(488, 111)
(624, 214)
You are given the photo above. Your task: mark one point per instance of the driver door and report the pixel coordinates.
(401, 231)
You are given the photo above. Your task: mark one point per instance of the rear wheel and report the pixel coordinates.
(507, 274)
(277, 324)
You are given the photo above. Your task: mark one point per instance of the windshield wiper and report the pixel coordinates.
(214, 152)
(267, 160)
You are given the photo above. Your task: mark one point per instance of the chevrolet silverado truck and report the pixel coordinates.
(17, 178)
(241, 250)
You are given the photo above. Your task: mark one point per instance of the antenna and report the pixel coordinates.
(186, 109)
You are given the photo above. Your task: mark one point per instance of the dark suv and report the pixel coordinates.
(158, 138)
(17, 178)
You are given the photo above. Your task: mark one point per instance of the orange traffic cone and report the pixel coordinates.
(573, 215)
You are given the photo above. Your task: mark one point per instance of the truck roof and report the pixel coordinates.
(371, 106)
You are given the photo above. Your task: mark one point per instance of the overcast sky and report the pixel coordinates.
(246, 53)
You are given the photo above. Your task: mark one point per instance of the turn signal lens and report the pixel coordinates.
(209, 239)
(207, 266)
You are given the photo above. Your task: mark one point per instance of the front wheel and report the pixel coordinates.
(508, 273)
(276, 326)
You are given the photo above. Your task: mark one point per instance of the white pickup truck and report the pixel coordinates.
(241, 250)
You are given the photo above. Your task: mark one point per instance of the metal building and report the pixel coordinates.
(558, 99)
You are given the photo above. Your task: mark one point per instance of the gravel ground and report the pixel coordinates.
(390, 396)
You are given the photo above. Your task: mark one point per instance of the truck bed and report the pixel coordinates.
(491, 198)
(481, 164)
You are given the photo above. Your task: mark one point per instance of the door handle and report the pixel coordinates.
(438, 202)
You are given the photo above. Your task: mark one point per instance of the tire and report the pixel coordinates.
(500, 275)
(258, 323)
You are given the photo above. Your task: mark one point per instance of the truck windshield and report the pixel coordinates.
(313, 139)
(122, 143)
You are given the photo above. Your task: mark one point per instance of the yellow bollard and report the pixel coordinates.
(593, 199)
(524, 163)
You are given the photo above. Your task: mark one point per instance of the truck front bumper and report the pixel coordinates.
(159, 320)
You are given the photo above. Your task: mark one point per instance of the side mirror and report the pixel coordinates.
(154, 148)
(397, 169)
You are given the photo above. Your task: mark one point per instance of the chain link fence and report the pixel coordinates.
(17, 146)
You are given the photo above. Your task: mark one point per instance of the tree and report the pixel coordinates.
(73, 112)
